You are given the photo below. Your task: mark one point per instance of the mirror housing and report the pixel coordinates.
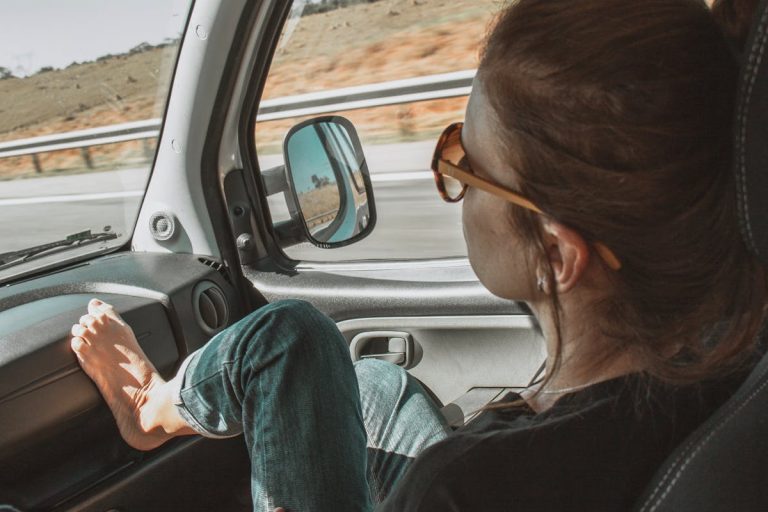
(327, 185)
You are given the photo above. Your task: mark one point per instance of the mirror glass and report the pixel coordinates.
(329, 179)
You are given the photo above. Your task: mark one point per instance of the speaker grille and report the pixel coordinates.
(162, 225)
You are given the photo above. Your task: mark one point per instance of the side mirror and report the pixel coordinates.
(329, 193)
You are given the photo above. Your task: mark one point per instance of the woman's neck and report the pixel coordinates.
(588, 356)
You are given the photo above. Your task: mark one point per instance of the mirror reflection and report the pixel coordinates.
(328, 176)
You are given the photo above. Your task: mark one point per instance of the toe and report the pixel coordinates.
(78, 331)
(99, 310)
(87, 321)
(95, 307)
(78, 344)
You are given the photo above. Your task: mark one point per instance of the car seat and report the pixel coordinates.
(723, 465)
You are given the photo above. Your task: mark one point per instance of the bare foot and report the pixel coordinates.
(139, 398)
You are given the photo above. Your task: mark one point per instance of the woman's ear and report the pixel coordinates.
(568, 254)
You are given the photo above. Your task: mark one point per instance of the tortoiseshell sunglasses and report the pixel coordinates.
(453, 176)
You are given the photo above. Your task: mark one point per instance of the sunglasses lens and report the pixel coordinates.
(451, 151)
(453, 187)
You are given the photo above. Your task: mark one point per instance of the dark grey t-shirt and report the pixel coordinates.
(594, 450)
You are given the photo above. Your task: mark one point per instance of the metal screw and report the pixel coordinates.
(244, 242)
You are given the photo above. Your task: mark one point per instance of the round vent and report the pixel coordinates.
(210, 307)
(162, 225)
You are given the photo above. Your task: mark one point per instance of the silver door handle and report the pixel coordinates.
(392, 346)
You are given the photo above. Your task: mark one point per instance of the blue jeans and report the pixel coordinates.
(323, 435)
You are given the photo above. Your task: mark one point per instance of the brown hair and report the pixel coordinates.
(617, 115)
(735, 18)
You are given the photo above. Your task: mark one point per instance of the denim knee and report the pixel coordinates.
(283, 341)
(399, 415)
(384, 387)
(293, 326)
(385, 381)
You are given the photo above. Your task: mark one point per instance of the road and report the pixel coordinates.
(38, 210)
(412, 221)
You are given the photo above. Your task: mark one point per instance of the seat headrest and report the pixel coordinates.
(751, 146)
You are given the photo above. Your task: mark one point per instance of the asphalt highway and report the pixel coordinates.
(412, 220)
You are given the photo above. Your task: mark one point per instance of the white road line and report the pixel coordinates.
(401, 176)
(72, 198)
(69, 198)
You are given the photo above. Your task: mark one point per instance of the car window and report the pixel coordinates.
(331, 44)
(83, 85)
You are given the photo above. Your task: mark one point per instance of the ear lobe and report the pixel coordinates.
(568, 254)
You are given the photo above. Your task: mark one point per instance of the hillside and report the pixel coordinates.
(386, 40)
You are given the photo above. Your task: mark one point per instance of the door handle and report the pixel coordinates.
(392, 346)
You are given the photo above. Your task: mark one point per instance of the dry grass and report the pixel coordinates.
(320, 202)
(115, 90)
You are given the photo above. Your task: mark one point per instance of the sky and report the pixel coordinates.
(307, 156)
(39, 33)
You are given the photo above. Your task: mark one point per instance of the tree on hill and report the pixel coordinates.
(141, 48)
(5, 73)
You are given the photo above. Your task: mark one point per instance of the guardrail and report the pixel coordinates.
(411, 90)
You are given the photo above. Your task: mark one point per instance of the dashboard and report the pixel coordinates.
(59, 447)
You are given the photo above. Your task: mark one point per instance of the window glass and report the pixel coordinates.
(79, 75)
(333, 44)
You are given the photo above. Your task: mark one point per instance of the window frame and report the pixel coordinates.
(273, 250)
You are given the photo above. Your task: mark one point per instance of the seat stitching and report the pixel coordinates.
(752, 66)
(702, 444)
(750, 78)
(683, 453)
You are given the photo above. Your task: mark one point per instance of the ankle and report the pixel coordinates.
(153, 410)
(160, 412)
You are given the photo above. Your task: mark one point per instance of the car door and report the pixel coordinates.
(400, 71)
(202, 244)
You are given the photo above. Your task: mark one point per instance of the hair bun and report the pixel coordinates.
(735, 18)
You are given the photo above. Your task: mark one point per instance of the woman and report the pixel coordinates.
(594, 168)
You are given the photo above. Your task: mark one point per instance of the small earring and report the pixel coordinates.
(540, 283)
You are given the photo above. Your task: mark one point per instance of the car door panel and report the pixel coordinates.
(370, 292)
(456, 354)
(470, 344)
(189, 474)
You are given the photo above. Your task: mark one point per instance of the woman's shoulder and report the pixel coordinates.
(453, 473)
(598, 447)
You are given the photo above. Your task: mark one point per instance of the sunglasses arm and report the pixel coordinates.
(471, 180)
(477, 182)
